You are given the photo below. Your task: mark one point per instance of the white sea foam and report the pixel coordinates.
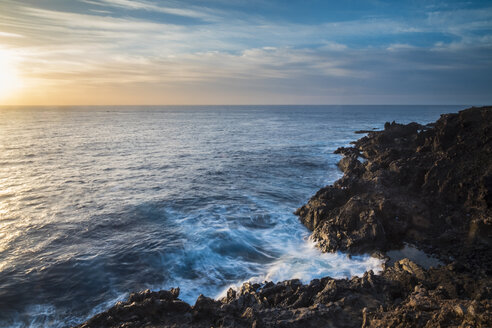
(114, 200)
(306, 262)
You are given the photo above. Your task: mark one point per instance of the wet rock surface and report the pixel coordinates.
(427, 186)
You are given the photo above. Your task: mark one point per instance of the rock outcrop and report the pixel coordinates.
(428, 186)
(404, 295)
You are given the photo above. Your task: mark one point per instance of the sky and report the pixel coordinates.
(196, 52)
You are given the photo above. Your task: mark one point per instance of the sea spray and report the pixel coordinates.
(98, 202)
(305, 262)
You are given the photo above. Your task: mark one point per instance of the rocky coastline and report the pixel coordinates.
(427, 187)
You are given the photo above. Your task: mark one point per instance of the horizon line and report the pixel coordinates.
(237, 105)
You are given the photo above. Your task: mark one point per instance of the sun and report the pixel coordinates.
(10, 81)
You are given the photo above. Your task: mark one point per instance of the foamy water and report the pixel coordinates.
(98, 202)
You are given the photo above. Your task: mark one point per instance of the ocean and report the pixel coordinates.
(97, 202)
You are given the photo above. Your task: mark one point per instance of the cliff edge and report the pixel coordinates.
(430, 186)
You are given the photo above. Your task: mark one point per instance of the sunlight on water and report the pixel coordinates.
(98, 202)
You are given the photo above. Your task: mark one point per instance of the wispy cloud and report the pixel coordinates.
(227, 49)
(10, 35)
(144, 5)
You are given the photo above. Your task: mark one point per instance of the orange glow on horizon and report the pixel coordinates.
(10, 80)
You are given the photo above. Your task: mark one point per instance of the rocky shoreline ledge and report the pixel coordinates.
(425, 187)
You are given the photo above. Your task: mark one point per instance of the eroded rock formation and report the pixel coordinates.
(428, 186)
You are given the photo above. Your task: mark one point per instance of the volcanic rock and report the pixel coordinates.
(429, 187)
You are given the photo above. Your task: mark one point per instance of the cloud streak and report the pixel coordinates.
(434, 57)
(148, 6)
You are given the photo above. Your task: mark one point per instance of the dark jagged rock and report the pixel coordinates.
(425, 185)
(143, 308)
(364, 131)
(429, 186)
(404, 295)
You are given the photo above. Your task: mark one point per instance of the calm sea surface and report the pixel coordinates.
(96, 202)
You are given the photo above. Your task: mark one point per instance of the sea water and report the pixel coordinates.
(97, 202)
